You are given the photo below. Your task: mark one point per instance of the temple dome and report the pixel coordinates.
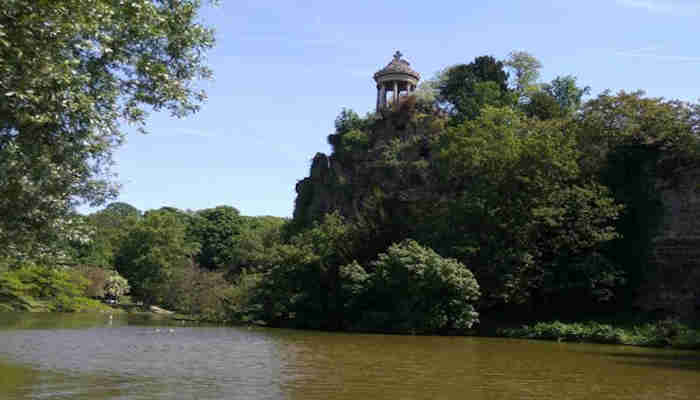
(397, 66)
(397, 77)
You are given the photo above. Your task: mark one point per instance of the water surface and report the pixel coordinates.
(82, 356)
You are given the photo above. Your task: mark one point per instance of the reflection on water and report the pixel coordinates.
(85, 357)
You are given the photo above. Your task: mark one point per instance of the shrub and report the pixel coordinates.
(116, 286)
(32, 286)
(414, 289)
(239, 299)
(656, 334)
(196, 291)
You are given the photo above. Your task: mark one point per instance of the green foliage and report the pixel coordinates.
(217, 230)
(657, 334)
(198, 292)
(566, 93)
(351, 132)
(252, 248)
(630, 143)
(289, 293)
(526, 71)
(347, 121)
(355, 141)
(34, 287)
(107, 229)
(632, 120)
(413, 289)
(525, 211)
(542, 105)
(568, 332)
(70, 76)
(152, 252)
(465, 88)
(240, 300)
(116, 286)
(304, 286)
(120, 209)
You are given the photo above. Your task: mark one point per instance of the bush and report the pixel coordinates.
(33, 286)
(116, 286)
(239, 299)
(196, 291)
(656, 334)
(414, 289)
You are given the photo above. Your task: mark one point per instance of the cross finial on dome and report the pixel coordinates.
(397, 55)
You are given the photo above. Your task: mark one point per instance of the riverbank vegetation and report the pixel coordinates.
(662, 333)
(487, 191)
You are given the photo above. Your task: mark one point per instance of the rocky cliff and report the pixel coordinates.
(388, 162)
(672, 283)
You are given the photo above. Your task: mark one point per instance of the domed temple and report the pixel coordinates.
(396, 77)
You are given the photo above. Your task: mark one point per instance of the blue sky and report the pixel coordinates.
(284, 70)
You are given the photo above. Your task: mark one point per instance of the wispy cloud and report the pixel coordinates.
(655, 53)
(674, 7)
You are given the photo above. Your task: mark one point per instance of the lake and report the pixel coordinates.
(89, 356)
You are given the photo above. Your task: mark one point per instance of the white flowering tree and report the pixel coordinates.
(116, 286)
(73, 74)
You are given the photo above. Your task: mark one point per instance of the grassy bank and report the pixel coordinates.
(665, 333)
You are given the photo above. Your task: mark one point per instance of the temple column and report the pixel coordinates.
(396, 92)
(382, 95)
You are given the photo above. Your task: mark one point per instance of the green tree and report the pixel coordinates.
(152, 251)
(412, 288)
(523, 208)
(631, 142)
(310, 281)
(543, 106)
(71, 76)
(466, 88)
(121, 209)
(258, 235)
(218, 231)
(107, 229)
(564, 90)
(526, 71)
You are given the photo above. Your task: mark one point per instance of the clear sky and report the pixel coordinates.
(284, 70)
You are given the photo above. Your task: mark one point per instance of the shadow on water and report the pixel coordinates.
(684, 361)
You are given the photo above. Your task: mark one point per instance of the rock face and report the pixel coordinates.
(389, 162)
(673, 283)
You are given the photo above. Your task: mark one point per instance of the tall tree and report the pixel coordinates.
(152, 252)
(71, 75)
(566, 92)
(465, 89)
(526, 71)
(217, 230)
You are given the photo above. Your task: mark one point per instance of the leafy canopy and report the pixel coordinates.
(71, 75)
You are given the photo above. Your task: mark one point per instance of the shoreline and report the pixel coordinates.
(667, 333)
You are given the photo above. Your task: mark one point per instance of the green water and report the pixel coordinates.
(81, 356)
